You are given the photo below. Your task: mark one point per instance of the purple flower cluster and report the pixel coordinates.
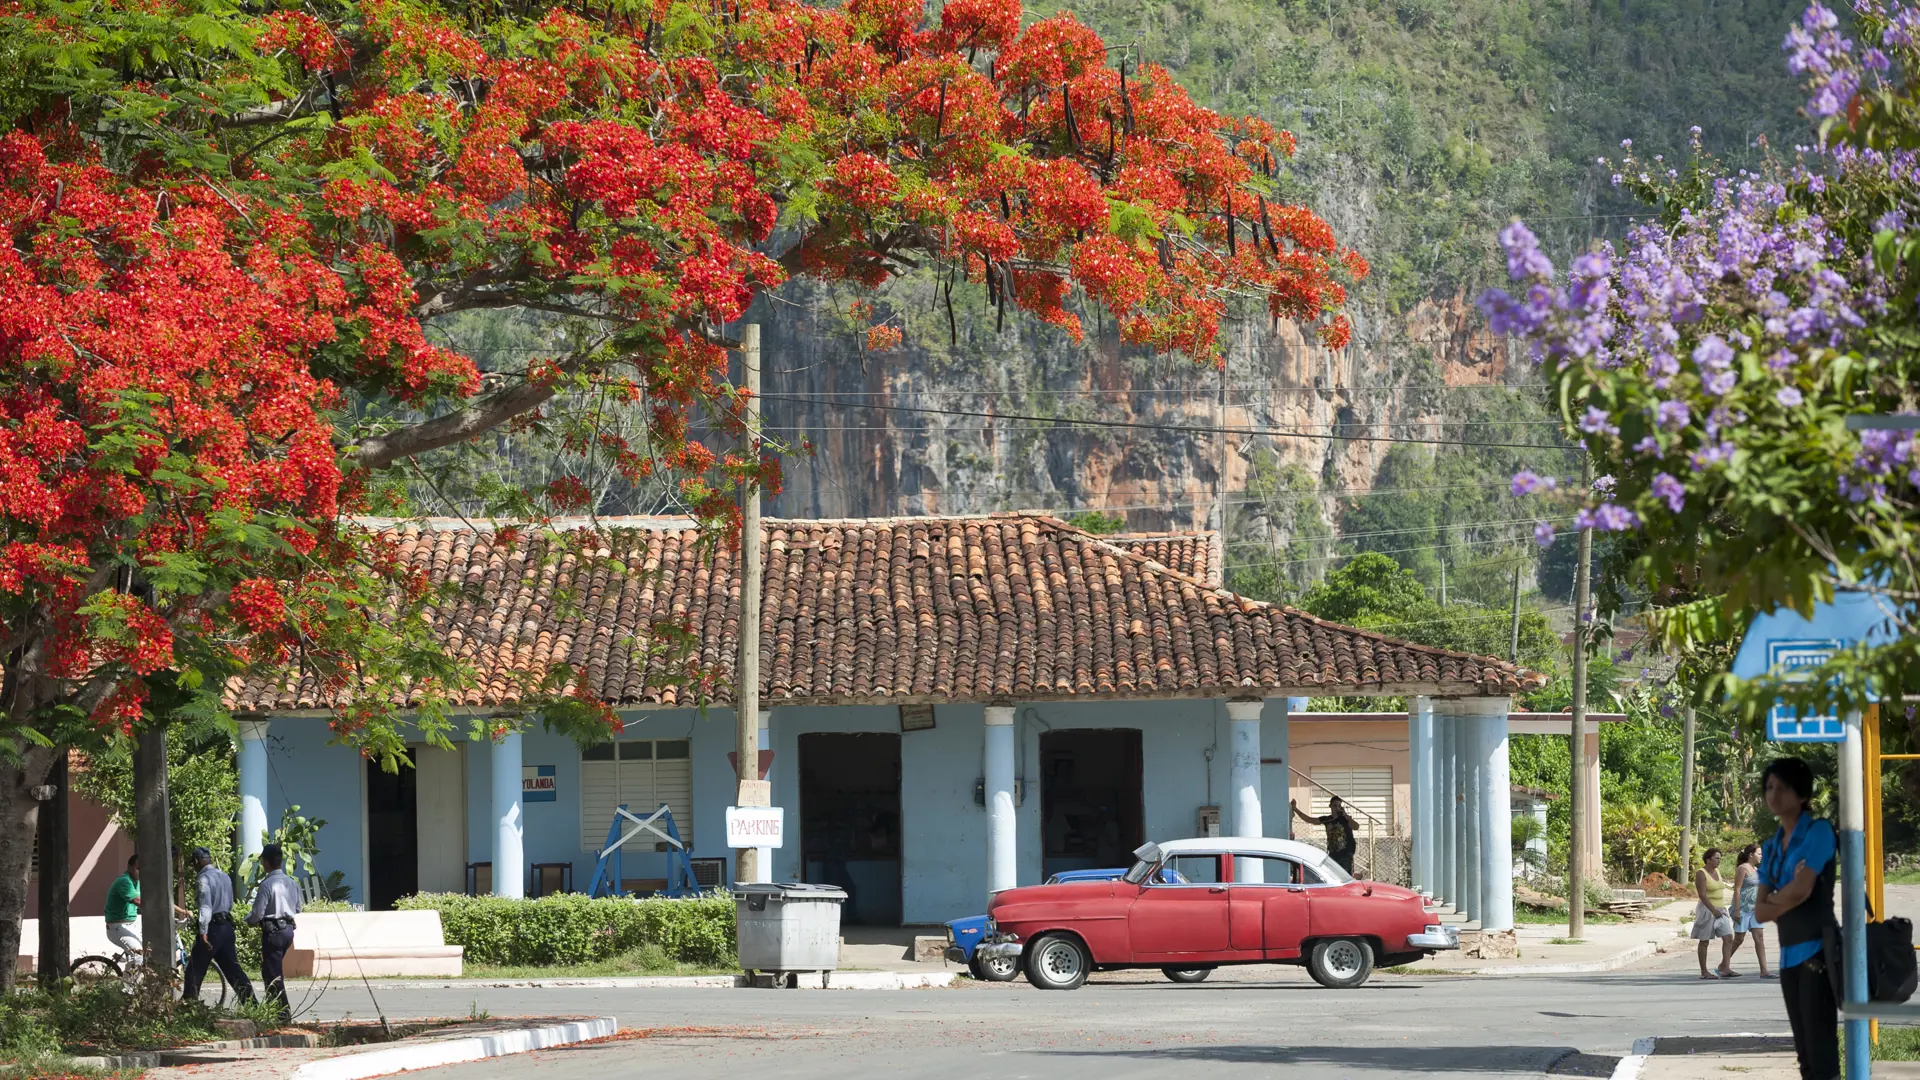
(1885, 457)
(1527, 482)
(1607, 517)
(1816, 49)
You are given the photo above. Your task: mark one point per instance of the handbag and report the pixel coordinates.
(1892, 972)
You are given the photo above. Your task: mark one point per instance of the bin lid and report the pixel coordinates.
(789, 890)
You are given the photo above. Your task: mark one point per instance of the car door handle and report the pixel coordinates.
(1300, 891)
(1218, 888)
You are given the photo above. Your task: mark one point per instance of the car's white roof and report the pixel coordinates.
(1244, 845)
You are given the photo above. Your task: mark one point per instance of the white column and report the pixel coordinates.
(765, 859)
(1003, 867)
(1243, 734)
(509, 864)
(1496, 834)
(253, 786)
(1471, 738)
(1282, 820)
(1418, 756)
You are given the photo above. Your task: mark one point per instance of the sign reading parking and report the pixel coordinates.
(1796, 661)
(755, 826)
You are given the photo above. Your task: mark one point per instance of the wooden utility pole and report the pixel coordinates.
(752, 790)
(55, 939)
(154, 844)
(1577, 853)
(1513, 650)
(1686, 794)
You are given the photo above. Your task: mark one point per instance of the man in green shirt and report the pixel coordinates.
(123, 909)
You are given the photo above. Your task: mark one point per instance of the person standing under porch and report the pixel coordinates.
(1796, 896)
(275, 904)
(1341, 830)
(214, 945)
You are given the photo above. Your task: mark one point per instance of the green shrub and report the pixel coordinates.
(555, 931)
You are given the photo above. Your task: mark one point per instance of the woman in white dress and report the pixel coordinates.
(1746, 889)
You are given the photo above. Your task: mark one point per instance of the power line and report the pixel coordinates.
(1247, 388)
(1371, 551)
(1189, 429)
(1343, 537)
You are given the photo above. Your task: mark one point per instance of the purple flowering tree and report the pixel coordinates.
(1709, 362)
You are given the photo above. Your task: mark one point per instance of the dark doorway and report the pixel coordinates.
(1092, 815)
(850, 821)
(393, 835)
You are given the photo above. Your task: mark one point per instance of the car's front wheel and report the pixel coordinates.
(1057, 962)
(995, 969)
(1340, 963)
(1187, 975)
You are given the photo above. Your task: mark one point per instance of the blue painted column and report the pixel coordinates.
(1447, 881)
(509, 859)
(1496, 833)
(1278, 742)
(253, 786)
(1471, 807)
(1243, 783)
(1853, 894)
(1419, 780)
(1003, 867)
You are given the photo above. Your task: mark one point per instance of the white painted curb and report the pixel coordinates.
(1630, 1066)
(840, 980)
(427, 1055)
(1612, 963)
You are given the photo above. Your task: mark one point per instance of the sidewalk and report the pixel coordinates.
(471, 1041)
(1751, 1057)
(1603, 947)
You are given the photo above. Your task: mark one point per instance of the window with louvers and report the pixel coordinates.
(1367, 789)
(642, 774)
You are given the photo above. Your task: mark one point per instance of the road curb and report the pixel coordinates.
(1630, 1067)
(1611, 963)
(155, 1059)
(839, 980)
(427, 1055)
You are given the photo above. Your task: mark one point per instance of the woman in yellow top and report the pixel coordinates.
(1710, 918)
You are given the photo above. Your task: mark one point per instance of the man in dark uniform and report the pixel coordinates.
(274, 905)
(1340, 831)
(215, 943)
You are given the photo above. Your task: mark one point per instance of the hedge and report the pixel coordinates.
(555, 931)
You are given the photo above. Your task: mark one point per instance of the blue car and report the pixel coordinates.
(963, 935)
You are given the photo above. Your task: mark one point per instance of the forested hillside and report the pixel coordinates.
(1424, 126)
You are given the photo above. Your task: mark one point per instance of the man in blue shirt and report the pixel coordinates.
(1796, 894)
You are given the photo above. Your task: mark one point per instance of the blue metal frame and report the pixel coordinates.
(680, 879)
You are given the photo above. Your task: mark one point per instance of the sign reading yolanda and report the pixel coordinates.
(538, 784)
(755, 826)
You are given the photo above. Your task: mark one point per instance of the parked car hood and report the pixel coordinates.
(1066, 890)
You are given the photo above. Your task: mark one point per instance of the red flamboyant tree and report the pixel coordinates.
(229, 225)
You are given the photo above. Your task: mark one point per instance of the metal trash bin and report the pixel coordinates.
(787, 927)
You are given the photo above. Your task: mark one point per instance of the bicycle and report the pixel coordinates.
(126, 967)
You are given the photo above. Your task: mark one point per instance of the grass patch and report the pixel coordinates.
(649, 959)
(1897, 1044)
(1903, 877)
(60, 1068)
(1541, 915)
(1567, 941)
(1410, 969)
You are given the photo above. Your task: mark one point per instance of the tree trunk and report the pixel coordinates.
(56, 941)
(19, 819)
(154, 844)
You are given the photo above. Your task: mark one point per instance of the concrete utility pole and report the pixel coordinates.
(1686, 794)
(55, 939)
(154, 844)
(1576, 785)
(1513, 651)
(746, 704)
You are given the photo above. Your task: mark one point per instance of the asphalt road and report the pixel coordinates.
(1432, 1026)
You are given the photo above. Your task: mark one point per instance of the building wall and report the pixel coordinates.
(1351, 744)
(1186, 765)
(97, 851)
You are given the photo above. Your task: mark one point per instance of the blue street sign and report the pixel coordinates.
(1783, 644)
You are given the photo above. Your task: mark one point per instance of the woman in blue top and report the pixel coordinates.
(1796, 895)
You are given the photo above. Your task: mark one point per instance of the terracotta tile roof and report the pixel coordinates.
(1006, 607)
(1197, 555)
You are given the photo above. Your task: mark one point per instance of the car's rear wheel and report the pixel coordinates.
(1057, 962)
(1340, 963)
(1187, 975)
(995, 969)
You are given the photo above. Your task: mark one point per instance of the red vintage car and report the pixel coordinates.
(1246, 900)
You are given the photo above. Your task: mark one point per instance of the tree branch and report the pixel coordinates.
(380, 451)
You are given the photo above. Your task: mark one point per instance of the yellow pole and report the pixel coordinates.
(1876, 858)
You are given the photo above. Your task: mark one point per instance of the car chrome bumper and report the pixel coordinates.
(956, 955)
(1436, 937)
(997, 950)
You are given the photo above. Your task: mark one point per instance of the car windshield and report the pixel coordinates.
(1328, 870)
(1146, 857)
